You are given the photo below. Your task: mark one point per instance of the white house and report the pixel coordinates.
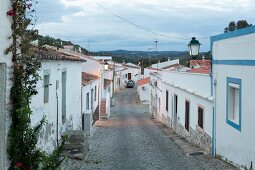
(187, 106)
(233, 57)
(181, 99)
(5, 80)
(90, 101)
(59, 96)
(130, 72)
(143, 90)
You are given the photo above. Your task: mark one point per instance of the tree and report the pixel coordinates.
(232, 26)
(242, 24)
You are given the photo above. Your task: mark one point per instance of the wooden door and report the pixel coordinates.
(187, 114)
(129, 76)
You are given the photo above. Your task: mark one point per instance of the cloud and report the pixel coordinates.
(84, 21)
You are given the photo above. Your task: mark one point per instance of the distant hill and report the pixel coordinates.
(125, 53)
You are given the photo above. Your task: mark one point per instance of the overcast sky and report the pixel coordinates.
(94, 27)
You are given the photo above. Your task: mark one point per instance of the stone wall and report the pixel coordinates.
(198, 137)
(167, 120)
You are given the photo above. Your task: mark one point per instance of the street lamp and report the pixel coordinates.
(106, 65)
(194, 47)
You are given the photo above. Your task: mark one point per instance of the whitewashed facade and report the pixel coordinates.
(187, 106)
(58, 99)
(5, 80)
(129, 73)
(90, 101)
(233, 82)
(182, 100)
(144, 90)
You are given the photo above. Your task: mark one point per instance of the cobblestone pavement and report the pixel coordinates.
(130, 140)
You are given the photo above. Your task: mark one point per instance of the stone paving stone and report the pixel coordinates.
(129, 140)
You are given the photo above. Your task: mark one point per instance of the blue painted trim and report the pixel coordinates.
(213, 137)
(228, 121)
(233, 34)
(235, 62)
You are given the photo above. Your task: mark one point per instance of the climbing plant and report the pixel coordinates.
(23, 137)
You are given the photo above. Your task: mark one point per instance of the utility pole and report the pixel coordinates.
(156, 42)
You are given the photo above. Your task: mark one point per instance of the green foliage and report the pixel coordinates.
(23, 138)
(47, 40)
(53, 161)
(232, 26)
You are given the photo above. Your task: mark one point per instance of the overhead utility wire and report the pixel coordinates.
(140, 27)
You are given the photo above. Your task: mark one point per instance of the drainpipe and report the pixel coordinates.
(57, 84)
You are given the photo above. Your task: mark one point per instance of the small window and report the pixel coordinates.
(125, 75)
(46, 83)
(166, 100)
(200, 117)
(234, 102)
(87, 101)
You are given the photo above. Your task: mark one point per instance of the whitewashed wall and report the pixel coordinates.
(135, 75)
(165, 64)
(73, 101)
(87, 89)
(92, 66)
(144, 92)
(234, 145)
(194, 81)
(5, 77)
(195, 101)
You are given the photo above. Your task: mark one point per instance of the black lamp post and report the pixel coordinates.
(194, 47)
(106, 65)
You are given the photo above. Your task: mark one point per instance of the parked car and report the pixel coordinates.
(130, 84)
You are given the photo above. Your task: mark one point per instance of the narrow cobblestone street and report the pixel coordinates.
(129, 139)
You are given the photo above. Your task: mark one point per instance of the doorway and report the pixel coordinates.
(187, 114)
(175, 111)
(129, 76)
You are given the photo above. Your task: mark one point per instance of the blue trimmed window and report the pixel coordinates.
(234, 102)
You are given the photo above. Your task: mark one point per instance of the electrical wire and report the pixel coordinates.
(140, 27)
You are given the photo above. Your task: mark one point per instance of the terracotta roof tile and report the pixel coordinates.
(88, 78)
(143, 81)
(200, 70)
(49, 54)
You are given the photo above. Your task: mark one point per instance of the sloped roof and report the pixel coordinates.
(200, 70)
(204, 66)
(50, 54)
(88, 78)
(200, 62)
(143, 81)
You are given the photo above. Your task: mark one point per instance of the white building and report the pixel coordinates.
(130, 72)
(181, 99)
(90, 101)
(144, 90)
(59, 96)
(5, 80)
(233, 80)
(187, 106)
